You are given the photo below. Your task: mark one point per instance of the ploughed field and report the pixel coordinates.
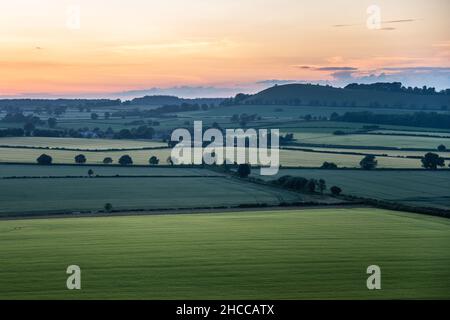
(291, 254)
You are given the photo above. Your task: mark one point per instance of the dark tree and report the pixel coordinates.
(125, 160)
(322, 185)
(432, 161)
(94, 116)
(107, 115)
(28, 128)
(329, 165)
(153, 161)
(90, 172)
(108, 207)
(169, 160)
(335, 190)
(80, 159)
(107, 160)
(244, 170)
(441, 148)
(311, 185)
(44, 159)
(369, 162)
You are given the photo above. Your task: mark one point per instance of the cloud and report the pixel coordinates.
(336, 69)
(382, 22)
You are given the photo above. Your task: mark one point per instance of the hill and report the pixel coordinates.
(317, 95)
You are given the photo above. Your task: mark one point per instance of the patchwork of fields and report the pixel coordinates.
(417, 188)
(294, 158)
(127, 193)
(306, 254)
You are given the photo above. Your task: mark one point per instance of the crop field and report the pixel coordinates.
(372, 140)
(141, 157)
(390, 153)
(284, 111)
(78, 143)
(305, 254)
(417, 188)
(74, 194)
(22, 170)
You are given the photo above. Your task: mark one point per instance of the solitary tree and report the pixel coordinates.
(329, 165)
(441, 148)
(169, 160)
(335, 190)
(107, 160)
(90, 172)
(153, 161)
(44, 159)
(80, 159)
(125, 160)
(244, 170)
(432, 161)
(108, 207)
(369, 162)
(94, 116)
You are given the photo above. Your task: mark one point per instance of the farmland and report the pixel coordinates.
(78, 143)
(295, 158)
(372, 140)
(56, 195)
(294, 254)
(416, 188)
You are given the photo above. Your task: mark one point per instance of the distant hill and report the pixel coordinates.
(159, 100)
(352, 96)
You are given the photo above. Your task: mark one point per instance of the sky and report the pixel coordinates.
(113, 48)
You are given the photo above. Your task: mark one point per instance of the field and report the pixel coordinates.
(293, 158)
(78, 143)
(23, 170)
(417, 188)
(76, 194)
(372, 140)
(306, 254)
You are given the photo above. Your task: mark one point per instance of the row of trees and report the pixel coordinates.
(45, 159)
(305, 185)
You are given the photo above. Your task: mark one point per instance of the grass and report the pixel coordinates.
(25, 170)
(306, 254)
(417, 188)
(371, 140)
(78, 143)
(75, 194)
(141, 157)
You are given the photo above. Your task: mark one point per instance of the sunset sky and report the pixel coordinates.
(219, 46)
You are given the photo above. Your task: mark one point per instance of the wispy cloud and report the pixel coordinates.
(382, 22)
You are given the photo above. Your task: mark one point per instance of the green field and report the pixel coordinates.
(24, 170)
(287, 157)
(372, 140)
(78, 143)
(75, 194)
(417, 188)
(306, 254)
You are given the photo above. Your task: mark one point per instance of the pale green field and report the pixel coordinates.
(78, 143)
(305, 254)
(391, 153)
(371, 140)
(141, 157)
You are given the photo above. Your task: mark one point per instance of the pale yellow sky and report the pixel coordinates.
(138, 44)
